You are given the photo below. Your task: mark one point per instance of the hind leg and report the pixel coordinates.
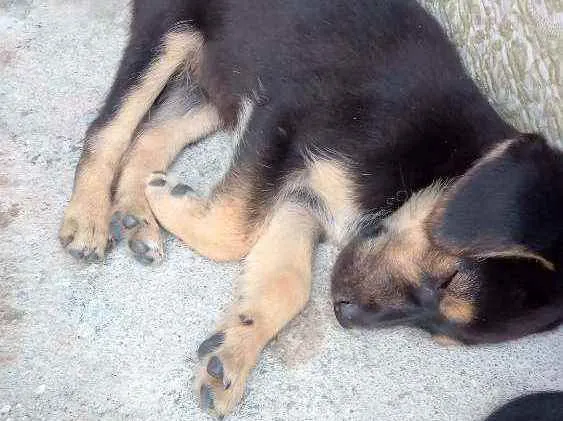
(146, 67)
(219, 227)
(158, 143)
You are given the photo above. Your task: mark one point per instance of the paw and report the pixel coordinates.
(136, 224)
(85, 231)
(142, 234)
(226, 359)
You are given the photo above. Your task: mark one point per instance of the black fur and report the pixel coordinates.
(375, 82)
(543, 406)
(502, 223)
(513, 200)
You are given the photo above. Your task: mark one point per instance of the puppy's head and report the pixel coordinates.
(480, 260)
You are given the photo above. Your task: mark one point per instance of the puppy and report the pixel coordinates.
(339, 110)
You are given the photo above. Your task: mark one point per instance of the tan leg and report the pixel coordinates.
(218, 228)
(274, 288)
(85, 226)
(154, 150)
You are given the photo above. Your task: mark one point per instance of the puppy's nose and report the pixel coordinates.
(346, 312)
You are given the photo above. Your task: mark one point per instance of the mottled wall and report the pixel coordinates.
(514, 49)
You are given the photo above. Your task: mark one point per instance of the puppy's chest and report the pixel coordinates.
(326, 188)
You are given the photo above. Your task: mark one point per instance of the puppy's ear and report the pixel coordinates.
(510, 204)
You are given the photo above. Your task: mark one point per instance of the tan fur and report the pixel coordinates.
(409, 254)
(405, 249)
(404, 254)
(220, 230)
(274, 288)
(217, 228)
(407, 241)
(86, 219)
(495, 153)
(446, 341)
(334, 185)
(456, 309)
(178, 48)
(244, 114)
(283, 255)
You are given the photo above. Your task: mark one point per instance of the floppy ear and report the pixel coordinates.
(510, 204)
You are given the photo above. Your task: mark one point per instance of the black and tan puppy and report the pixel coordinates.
(340, 109)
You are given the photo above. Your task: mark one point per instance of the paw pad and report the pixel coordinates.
(158, 180)
(210, 344)
(141, 251)
(215, 368)
(245, 320)
(181, 190)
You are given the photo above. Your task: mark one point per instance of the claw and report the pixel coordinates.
(91, 257)
(145, 260)
(65, 241)
(116, 231)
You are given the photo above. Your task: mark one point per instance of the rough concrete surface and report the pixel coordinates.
(117, 340)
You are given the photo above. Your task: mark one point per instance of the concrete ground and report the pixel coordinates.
(117, 340)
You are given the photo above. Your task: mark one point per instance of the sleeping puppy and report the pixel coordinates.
(339, 109)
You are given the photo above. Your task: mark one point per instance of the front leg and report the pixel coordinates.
(145, 69)
(274, 288)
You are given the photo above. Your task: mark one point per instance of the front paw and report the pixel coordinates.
(226, 359)
(85, 229)
(142, 233)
